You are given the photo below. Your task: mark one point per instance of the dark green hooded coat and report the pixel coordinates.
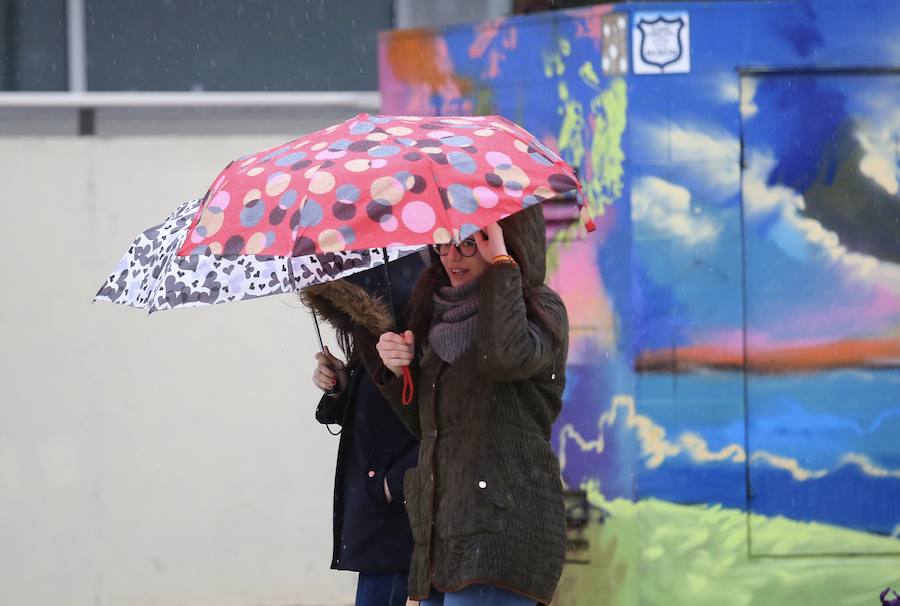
(485, 502)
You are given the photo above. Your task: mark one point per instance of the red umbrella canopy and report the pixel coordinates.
(376, 181)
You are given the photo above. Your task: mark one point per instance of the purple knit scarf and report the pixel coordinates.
(454, 320)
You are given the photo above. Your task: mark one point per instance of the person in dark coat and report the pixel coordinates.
(485, 501)
(371, 529)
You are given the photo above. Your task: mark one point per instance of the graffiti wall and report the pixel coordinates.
(733, 405)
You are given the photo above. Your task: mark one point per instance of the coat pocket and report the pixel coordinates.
(480, 502)
(414, 500)
(376, 468)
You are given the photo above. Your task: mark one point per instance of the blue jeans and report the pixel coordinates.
(477, 595)
(375, 589)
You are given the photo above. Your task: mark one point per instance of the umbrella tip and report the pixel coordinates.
(588, 219)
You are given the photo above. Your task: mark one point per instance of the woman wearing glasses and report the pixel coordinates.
(485, 501)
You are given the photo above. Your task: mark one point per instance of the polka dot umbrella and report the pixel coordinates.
(335, 202)
(377, 181)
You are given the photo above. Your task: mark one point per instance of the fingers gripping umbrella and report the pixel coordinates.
(340, 200)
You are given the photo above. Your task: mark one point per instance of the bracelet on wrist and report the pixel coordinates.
(499, 259)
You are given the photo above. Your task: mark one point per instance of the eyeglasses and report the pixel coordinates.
(466, 248)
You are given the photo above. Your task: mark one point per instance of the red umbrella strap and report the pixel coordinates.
(408, 389)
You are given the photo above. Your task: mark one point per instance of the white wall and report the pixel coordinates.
(164, 460)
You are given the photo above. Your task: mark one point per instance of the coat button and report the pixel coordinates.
(434, 387)
(482, 484)
(371, 473)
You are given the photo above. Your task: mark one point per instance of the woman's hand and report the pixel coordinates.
(331, 374)
(396, 351)
(493, 245)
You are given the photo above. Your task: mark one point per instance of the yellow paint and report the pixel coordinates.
(553, 61)
(600, 147)
(607, 157)
(589, 75)
(571, 137)
(655, 552)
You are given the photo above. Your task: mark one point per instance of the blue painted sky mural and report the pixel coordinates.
(736, 316)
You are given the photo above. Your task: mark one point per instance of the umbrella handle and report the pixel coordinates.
(408, 388)
(332, 389)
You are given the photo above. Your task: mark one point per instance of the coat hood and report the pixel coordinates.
(344, 305)
(361, 300)
(525, 237)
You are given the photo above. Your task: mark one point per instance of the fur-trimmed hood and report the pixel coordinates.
(343, 304)
(361, 301)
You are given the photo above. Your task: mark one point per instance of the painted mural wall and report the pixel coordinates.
(733, 405)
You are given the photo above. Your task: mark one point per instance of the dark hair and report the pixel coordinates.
(421, 308)
(350, 337)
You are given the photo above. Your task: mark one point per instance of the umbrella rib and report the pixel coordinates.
(290, 271)
(390, 289)
(318, 330)
(437, 186)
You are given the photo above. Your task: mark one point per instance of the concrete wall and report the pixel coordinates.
(148, 461)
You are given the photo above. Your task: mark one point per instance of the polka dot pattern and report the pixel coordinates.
(252, 213)
(321, 182)
(290, 159)
(374, 180)
(462, 199)
(418, 216)
(388, 223)
(277, 183)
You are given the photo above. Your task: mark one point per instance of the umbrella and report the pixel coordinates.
(376, 181)
(337, 201)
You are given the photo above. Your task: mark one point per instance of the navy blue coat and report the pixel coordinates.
(370, 534)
